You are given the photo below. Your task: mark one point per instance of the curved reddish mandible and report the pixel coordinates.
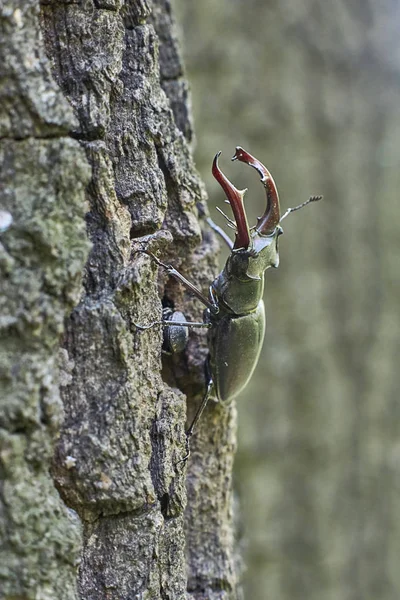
(235, 198)
(270, 219)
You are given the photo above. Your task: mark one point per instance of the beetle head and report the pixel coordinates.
(255, 249)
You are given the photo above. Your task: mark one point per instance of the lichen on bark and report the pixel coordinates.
(96, 124)
(42, 254)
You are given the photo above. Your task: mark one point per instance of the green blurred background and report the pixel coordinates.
(313, 90)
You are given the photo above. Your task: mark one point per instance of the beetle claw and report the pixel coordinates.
(235, 199)
(270, 219)
(187, 449)
(266, 224)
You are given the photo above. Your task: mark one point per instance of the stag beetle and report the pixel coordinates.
(235, 313)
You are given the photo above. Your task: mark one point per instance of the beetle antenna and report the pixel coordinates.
(216, 227)
(220, 232)
(290, 210)
(230, 223)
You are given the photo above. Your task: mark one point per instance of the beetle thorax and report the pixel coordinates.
(239, 287)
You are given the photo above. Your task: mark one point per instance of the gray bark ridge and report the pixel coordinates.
(43, 249)
(123, 432)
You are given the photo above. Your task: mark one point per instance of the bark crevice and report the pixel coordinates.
(120, 432)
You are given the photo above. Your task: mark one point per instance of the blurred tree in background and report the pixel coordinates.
(312, 89)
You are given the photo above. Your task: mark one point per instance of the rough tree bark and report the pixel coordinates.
(95, 119)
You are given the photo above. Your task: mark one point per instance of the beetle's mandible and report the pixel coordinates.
(235, 313)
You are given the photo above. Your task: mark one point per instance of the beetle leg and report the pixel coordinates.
(172, 324)
(197, 416)
(201, 408)
(149, 326)
(185, 282)
(185, 324)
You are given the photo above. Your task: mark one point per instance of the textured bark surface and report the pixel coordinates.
(312, 89)
(42, 253)
(95, 98)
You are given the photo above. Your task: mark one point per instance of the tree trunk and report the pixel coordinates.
(312, 89)
(94, 99)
